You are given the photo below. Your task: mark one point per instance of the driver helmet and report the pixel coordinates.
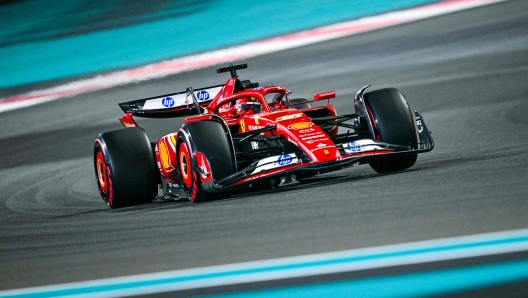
(248, 105)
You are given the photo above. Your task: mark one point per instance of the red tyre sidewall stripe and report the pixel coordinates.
(110, 195)
(102, 177)
(186, 173)
(108, 192)
(193, 176)
(373, 121)
(192, 197)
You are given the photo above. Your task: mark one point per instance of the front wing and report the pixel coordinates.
(272, 168)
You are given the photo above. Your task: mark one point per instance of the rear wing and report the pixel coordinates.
(179, 104)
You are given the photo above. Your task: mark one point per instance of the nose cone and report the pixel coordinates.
(311, 139)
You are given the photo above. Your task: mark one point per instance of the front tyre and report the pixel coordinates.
(209, 139)
(125, 167)
(393, 123)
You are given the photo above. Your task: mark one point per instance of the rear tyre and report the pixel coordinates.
(301, 106)
(393, 123)
(125, 167)
(209, 138)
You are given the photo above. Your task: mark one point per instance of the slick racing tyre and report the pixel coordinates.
(393, 123)
(125, 167)
(210, 139)
(301, 106)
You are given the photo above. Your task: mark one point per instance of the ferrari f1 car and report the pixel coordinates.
(239, 134)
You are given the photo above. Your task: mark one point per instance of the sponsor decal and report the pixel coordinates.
(167, 101)
(354, 147)
(257, 120)
(360, 146)
(225, 107)
(202, 95)
(273, 162)
(300, 125)
(258, 88)
(311, 134)
(320, 136)
(327, 152)
(284, 159)
(255, 127)
(288, 117)
(307, 130)
(254, 145)
(321, 146)
(242, 125)
(180, 99)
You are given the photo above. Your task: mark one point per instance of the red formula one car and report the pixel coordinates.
(239, 134)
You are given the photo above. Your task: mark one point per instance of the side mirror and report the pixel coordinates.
(324, 95)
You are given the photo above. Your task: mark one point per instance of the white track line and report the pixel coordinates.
(173, 66)
(309, 265)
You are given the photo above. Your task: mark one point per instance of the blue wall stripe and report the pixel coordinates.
(405, 285)
(219, 24)
(517, 240)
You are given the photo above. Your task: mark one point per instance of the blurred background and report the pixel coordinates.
(42, 41)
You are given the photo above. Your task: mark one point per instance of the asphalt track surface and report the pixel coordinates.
(465, 72)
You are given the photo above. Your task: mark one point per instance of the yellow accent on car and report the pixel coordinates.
(164, 155)
(300, 125)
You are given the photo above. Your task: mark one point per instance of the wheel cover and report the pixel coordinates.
(185, 165)
(102, 178)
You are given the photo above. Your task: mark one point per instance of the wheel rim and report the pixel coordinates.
(102, 178)
(185, 165)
